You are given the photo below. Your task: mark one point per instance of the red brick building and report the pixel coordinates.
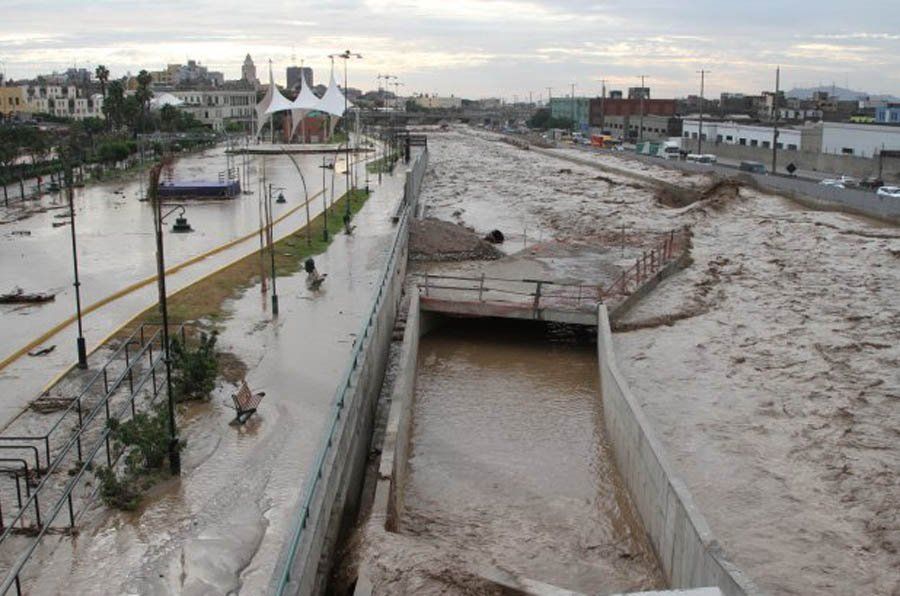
(631, 107)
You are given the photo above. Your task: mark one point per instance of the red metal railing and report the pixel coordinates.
(669, 248)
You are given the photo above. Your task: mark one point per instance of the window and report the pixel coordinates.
(703, 136)
(847, 151)
(767, 144)
(687, 135)
(779, 145)
(719, 138)
(729, 138)
(742, 141)
(792, 147)
(754, 143)
(693, 135)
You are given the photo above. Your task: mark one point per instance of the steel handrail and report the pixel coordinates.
(73, 440)
(76, 401)
(13, 574)
(338, 406)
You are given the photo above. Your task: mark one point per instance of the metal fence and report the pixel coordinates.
(529, 293)
(78, 442)
(309, 514)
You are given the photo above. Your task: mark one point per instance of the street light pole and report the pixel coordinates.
(271, 236)
(346, 56)
(79, 342)
(174, 454)
(775, 123)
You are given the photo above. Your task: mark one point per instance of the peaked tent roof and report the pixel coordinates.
(333, 102)
(305, 103)
(274, 101)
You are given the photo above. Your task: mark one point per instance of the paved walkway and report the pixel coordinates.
(222, 525)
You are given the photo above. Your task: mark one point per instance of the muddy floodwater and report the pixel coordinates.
(509, 465)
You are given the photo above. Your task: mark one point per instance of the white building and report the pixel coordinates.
(736, 133)
(861, 140)
(220, 106)
(63, 101)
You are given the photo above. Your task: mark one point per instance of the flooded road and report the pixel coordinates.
(509, 466)
(116, 254)
(220, 527)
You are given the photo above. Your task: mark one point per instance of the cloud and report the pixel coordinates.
(474, 47)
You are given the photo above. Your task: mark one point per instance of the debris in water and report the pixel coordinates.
(18, 296)
(42, 351)
(495, 237)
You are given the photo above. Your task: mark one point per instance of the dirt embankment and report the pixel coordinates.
(437, 240)
(715, 195)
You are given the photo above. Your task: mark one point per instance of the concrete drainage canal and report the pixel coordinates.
(498, 474)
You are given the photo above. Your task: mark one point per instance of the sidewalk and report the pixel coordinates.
(222, 525)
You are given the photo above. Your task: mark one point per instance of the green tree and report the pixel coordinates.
(102, 74)
(114, 105)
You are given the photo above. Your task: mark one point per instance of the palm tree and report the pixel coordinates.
(102, 74)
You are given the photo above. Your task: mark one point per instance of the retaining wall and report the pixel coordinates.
(810, 193)
(689, 554)
(330, 498)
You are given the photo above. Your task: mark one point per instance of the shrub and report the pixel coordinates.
(115, 492)
(195, 369)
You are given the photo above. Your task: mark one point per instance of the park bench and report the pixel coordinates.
(246, 402)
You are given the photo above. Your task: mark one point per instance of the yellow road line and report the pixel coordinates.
(140, 284)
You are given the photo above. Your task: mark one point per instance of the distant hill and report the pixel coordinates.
(842, 93)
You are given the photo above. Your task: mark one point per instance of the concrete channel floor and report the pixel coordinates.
(221, 526)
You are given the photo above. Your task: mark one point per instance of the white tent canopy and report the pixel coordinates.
(273, 102)
(334, 102)
(305, 103)
(161, 100)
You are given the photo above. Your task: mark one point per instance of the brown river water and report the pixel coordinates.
(509, 466)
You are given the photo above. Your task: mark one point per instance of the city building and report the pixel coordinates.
(295, 72)
(836, 138)
(861, 140)
(13, 100)
(64, 101)
(738, 133)
(434, 102)
(655, 128)
(248, 72)
(192, 73)
(889, 113)
(576, 109)
(231, 102)
(639, 92)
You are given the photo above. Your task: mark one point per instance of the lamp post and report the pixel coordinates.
(158, 219)
(79, 342)
(346, 56)
(270, 225)
(324, 167)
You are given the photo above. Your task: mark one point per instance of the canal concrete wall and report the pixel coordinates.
(807, 192)
(330, 500)
(689, 554)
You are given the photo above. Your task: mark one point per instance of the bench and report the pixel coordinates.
(245, 403)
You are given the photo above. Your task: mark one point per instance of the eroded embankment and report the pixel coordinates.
(509, 468)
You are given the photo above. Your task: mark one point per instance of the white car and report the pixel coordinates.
(889, 191)
(832, 182)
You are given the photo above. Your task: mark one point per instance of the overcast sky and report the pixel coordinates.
(476, 48)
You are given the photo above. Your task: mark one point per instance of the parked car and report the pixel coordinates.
(832, 182)
(754, 167)
(889, 191)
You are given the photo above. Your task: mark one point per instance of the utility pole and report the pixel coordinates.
(602, 106)
(550, 98)
(703, 74)
(641, 123)
(79, 342)
(573, 106)
(775, 121)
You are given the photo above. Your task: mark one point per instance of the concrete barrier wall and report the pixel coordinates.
(812, 194)
(689, 554)
(415, 176)
(331, 494)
